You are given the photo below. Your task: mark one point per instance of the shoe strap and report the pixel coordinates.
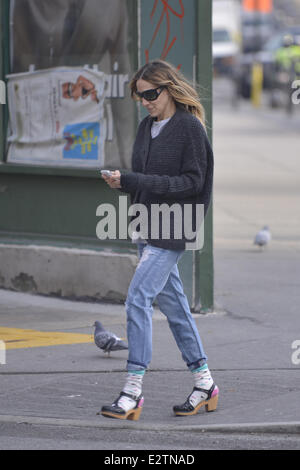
(129, 395)
(208, 392)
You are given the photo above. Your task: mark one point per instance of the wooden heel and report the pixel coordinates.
(211, 405)
(115, 411)
(135, 414)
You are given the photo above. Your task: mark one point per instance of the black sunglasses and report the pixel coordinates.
(150, 95)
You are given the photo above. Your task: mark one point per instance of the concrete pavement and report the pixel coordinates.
(251, 361)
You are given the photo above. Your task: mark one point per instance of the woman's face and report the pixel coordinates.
(162, 107)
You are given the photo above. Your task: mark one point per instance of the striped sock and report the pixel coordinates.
(133, 386)
(202, 379)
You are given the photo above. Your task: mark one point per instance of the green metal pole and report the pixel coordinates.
(4, 69)
(203, 259)
(1, 77)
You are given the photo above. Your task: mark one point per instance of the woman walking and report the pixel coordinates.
(172, 162)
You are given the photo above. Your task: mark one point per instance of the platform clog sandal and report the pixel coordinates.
(116, 411)
(210, 403)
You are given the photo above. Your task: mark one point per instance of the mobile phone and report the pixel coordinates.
(106, 172)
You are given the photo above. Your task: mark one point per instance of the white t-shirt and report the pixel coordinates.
(157, 127)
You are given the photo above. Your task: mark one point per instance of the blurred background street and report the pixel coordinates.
(256, 44)
(257, 175)
(256, 143)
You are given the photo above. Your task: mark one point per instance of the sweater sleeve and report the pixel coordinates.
(125, 188)
(193, 171)
(127, 174)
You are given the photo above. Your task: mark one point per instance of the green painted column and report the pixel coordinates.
(203, 260)
(168, 31)
(180, 31)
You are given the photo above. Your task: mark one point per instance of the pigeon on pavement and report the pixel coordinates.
(263, 237)
(106, 340)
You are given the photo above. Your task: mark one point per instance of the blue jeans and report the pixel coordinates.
(157, 277)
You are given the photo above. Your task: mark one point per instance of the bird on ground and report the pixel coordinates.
(263, 237)
(106, 340)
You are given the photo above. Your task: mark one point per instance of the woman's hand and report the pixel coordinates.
(114, 180)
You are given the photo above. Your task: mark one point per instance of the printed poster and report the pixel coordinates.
(57, 117)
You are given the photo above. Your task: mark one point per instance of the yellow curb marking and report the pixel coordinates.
(16, 338)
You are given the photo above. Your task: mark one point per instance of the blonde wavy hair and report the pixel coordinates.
(162, 73)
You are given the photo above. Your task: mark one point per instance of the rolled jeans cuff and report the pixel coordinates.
(197, 364)
(135, 366)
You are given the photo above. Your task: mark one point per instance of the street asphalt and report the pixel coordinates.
(252, 338)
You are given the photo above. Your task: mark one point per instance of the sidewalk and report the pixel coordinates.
(67, 384)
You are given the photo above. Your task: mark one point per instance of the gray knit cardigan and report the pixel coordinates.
(176, 167)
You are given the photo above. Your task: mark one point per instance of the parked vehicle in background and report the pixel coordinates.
(225, 51)
(268, 54)
(257, 28)
(258, 23)
(226, 35)
(265, 57)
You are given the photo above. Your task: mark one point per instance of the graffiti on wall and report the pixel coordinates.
(163, 25)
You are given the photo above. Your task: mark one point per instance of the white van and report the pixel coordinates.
(226, 34)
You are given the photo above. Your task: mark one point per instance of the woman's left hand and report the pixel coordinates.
(114, 181)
